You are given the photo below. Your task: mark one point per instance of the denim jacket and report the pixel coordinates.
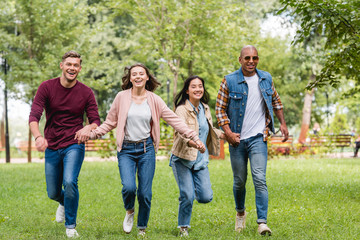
(238, 94)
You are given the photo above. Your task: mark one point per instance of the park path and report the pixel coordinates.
(114, 159)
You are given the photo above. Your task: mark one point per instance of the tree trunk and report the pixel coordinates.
(2, 131)
(175, 71)
(30, 137)
(29, 147)
(306, 113)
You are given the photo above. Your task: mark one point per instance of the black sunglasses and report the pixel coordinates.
(255, 58)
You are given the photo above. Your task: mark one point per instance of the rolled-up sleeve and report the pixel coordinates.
(276, 102)
(222, 102)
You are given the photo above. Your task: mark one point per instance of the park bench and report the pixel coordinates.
(23, 146)
(277, 146)
(109, 145)
(334, 141)
(98, 145)
(91, 145)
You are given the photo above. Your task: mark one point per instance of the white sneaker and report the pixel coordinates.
(142, 232)
(263, 229)
(240, 222)
(71, 233)
(184, 232)
(128, 222)
(60, 214)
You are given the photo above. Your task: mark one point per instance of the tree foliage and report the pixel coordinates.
(339, 23)
(183, 38)
(174, 38)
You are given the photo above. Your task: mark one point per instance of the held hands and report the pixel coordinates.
(41, 144)
(198, 145)
(233, 138)
(83, 134)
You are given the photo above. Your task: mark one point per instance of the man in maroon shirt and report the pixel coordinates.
(65, 101)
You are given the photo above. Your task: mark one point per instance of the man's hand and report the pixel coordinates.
(283, 128)
(83, 134)
(41, 144)
(284, 132)
(233, 138)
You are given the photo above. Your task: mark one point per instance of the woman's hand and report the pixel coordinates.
(83, 134)
(198, 145)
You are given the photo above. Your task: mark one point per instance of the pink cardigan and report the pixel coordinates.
(117, 116)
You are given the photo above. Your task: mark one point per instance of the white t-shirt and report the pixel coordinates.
(138, 122)
(254, 119)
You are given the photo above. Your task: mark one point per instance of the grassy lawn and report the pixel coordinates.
(308, 199)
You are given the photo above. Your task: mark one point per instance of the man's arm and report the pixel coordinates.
(222, 102)
(93, 116)
(37, 109)
(283, 128)
(278, 110)
(84, 134)
(40, 142)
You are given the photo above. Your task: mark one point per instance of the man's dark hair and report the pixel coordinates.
(71, 54)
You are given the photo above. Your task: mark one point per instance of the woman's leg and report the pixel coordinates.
(184, 179)
(146, 171)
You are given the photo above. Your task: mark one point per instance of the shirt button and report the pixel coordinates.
(240, 115)
(243, 104)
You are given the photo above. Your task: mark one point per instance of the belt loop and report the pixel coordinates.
(144, 145)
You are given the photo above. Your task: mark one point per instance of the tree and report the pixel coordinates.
(188, 37)
(339, 23)
(43, 32)
(339, 124)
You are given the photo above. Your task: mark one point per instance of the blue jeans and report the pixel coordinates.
(132, 158)
(62, 168)
(192, 183)
(254, 149)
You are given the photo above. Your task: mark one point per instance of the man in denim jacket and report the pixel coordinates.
(244, 109)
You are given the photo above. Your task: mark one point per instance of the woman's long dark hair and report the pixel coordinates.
(182, 95)
(150, 85)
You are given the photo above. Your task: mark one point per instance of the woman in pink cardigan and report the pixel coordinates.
(136, 113)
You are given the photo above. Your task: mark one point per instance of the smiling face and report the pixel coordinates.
(195, 91)
(70, 68)
(249, 59)
(138, 77)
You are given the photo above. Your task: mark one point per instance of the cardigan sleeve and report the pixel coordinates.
(111, 120)
(176, 122)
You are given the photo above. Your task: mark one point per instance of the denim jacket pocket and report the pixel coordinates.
(235, 99)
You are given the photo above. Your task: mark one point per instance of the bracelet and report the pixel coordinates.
(38, 137)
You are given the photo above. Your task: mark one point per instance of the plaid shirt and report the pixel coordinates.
(222, 102)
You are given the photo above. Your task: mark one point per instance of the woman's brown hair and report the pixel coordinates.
(150, 85)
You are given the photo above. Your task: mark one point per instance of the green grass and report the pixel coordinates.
(308, 199)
